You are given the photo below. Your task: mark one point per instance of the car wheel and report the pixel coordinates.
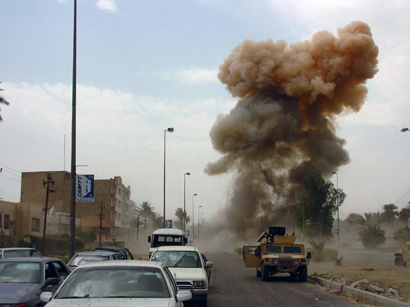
(303, 273)
(258, 273)
(400, 261)
(203, 303)
(265, 273)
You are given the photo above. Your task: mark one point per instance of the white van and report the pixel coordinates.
(166, 237)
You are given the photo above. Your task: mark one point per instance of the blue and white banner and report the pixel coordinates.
(85, 188)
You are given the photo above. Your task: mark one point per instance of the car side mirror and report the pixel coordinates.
(209, 265)
(309, 255)
(45, 297)
(149, 238)
(183, 296)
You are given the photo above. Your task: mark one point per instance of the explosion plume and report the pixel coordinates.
(283, 125)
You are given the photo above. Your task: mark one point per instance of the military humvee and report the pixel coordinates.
(403, 256)
(277, 253)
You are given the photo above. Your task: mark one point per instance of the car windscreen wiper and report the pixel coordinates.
(180, 260)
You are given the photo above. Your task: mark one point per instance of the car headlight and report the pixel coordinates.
(295, 262)
(199, 284)
(276, 261)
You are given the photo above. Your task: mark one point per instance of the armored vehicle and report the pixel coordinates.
(277, 253)
(403, 256)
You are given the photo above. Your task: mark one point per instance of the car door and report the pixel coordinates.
(51, 272)
(61, 269)
(249, 257)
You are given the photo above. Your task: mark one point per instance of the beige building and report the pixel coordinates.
(27, 217)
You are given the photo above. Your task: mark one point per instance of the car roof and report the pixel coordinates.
(177, 248)
(168, 231)
(111, 248)
(123, 263)
(29, 259)
(17, 248)
(98, 253)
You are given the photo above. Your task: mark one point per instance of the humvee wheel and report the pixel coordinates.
(265, 273)
(400, 261)
(258, 273)
(303, 273)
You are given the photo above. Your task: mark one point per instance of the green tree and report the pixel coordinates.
(317, 207)
(371, 236)
(3, 101)
(389, 213)
(157, 220)
(181, 216)
(356, 219)
(404, 214)
(402, 235)
(145, 211)
(371, 218)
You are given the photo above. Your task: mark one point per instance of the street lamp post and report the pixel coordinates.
(199, 207)
(73, 137)
(193, 219)
(186, 174)
(337, 204)
(165, 138)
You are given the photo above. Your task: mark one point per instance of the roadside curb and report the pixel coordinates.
(371, 298)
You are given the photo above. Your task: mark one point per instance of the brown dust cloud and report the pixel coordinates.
(283, 124)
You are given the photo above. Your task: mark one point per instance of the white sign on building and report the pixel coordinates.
(85, 188)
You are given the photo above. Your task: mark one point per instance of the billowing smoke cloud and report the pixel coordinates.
(283, 124)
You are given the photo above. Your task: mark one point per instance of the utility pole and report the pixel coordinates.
(46, 184)
(101, 217)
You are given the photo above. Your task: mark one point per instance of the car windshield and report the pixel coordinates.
(181, 259)
(21, 253)
(19, 272)
(133, 282)
(82, 259)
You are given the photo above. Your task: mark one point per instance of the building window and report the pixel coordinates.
(1, 221)
(6, 221)
(35, 225)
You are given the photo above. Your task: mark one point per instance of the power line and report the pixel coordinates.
(10, 168)
(9, 177)
(402, 196)
(6, 169)
(8, 194)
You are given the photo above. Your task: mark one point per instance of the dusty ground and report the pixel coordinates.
(384, 276)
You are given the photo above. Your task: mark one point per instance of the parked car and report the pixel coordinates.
(13, 252)
(91, 256)
(23, 279)
(118, 283)
(125, 252)
(189, 268)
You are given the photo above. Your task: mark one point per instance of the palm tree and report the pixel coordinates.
(145, 210)
(157, 220)
(371, 218)
(372, 236)
(389, 213)
(181, 216)
(3, 101)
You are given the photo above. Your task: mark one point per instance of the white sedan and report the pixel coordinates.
(118, 283)
(189, 268)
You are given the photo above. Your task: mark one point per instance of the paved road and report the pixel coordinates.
(232, 284)
(368, 256)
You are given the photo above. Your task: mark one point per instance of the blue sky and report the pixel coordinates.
(144, 66)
